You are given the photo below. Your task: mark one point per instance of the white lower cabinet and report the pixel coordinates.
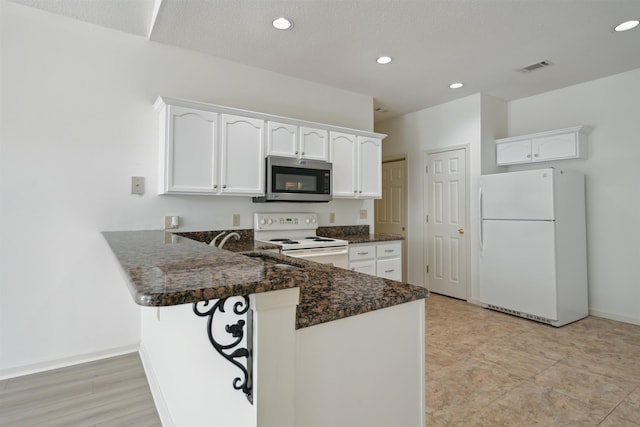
(389, 260)
(383, 259)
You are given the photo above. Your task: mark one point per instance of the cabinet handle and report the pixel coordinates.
(215, 186)
(388, 250)
(296, 152)
(363, 253)
(224, 186)
(536, 155)
(302, 153)
(360, 191)
(390, 271)
(355, 191)
(528, 156)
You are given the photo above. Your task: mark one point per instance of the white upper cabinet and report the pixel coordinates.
(216, 150)
(242, 154)
(287, 140)
(369, 167)
(569, 143)
(344, 159)
(206, 152)
(282, 139)
(357, 165)
(314, 143)
(189, 147)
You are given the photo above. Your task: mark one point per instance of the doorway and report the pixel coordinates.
(390, 212)
(446, 241)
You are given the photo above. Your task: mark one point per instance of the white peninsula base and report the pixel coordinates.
(363, 370)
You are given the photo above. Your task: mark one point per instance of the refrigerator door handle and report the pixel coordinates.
(480, 218)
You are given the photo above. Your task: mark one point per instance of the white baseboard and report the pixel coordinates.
(156, 392)
(474, 301)
(48, 365)
(611, 316)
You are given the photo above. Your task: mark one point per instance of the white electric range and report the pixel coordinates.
(295, 234)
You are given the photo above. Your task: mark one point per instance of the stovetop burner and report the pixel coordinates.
(285, 241)
(319, 239)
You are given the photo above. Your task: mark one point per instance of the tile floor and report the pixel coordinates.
(486, 368)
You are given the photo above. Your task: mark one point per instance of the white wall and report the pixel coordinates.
(609, 105)
(457, 123)
(76, 123)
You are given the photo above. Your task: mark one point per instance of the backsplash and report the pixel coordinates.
(343, 230)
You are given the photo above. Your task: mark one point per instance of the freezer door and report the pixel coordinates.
(517, 267)
(518, 195)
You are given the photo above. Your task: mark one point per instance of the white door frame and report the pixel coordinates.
(405, 198)
(425, 206)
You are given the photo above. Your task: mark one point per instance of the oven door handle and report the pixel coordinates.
(306, 253)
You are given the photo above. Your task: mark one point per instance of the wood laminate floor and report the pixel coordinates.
(110, 392)
(483, 369)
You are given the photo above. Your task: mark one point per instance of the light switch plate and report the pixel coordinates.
(363, 214)
(332, 217)
(137, 185)
(236, 219)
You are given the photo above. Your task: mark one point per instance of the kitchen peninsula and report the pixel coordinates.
(328, 346)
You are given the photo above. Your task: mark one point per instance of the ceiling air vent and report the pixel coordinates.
(535, 66)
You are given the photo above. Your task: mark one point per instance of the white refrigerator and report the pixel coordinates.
(533, 255)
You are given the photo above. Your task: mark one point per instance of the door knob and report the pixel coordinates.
(460, 230)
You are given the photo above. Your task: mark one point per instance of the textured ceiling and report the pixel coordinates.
(482, 43)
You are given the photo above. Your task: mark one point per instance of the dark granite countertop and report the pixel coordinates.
(163, 269)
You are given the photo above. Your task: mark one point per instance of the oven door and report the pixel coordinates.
(336, 256)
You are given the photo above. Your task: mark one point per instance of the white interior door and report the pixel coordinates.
(446, 216)
(391, 211)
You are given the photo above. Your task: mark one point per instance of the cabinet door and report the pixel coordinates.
(282, 139)
(369, 167)
(343, 149)
(512, 152)
(242, 154)
(191, 151)
(366, 267)
(390, 268)
(314, 144)
(564, 146)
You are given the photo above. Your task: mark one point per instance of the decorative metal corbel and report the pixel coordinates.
(232, 351)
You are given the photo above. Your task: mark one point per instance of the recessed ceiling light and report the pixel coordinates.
(456, 85)
(628, 25)
(384, 60)
(282, 23)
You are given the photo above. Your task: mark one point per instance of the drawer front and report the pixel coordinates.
(357, 253)
(366, 267)
(389, 250)
(390, 269)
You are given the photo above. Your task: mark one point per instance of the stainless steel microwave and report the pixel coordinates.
(297, 180)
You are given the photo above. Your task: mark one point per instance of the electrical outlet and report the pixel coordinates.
(236, 219)
(171, 221)
(137, 185)
(363, 214)
(332, 217)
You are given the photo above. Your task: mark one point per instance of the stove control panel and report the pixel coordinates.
(285, 221)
